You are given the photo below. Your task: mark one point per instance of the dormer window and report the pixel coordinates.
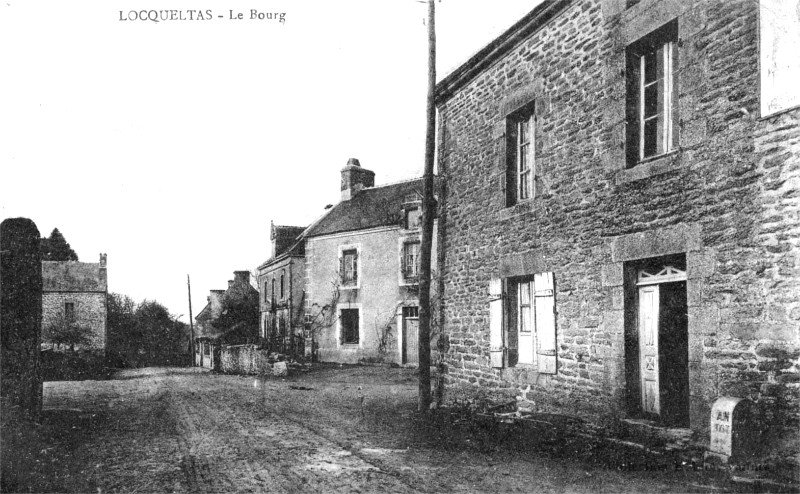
(413, 217)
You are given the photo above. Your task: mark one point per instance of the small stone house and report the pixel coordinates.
(209, 338)
(281, 283)
(78, 292)
(621, 207)
(362, 262)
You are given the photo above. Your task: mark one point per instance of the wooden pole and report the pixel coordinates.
(191, 320)
(428, 213)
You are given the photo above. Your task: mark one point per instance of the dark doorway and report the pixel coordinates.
(673, 356)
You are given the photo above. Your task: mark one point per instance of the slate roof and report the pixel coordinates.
(297, 249)
(370, 208)
(73, 276)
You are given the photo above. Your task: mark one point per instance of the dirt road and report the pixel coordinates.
(331, 430)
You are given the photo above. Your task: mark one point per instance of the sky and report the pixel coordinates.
(171, 145)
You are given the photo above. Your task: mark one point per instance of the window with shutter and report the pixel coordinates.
(496, 350)
(544, 299)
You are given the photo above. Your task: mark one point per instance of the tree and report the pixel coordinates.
(240, 311)
(144, 328)
(122, 329)
(157, 329)
(63, 330)
(56, 248)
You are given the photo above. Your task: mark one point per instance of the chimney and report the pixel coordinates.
(215, 299)
(241, 277)
(230, 283)
(103, 272)
(355, 178)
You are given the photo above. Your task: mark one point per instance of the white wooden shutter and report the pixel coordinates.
(496, 322)
(545, 322)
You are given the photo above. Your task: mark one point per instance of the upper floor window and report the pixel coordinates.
(521, 160)
(283, 281)
(652, 95)
(273, 289)
(410, 261)
(348, 269)
(69, 311)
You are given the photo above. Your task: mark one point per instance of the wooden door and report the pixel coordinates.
(648, 349)
(410, 335)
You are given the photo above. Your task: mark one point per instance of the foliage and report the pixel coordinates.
(63, 330)
(56, 248)
(239, 311)
(147, 327)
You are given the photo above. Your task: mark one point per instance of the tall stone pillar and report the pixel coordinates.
(20, 316)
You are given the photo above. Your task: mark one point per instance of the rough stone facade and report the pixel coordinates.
(83, 286)
(724, 204)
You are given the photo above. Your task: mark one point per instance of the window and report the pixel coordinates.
(410, 261)
(348, 322)
(69, 311)
(349, 267)
(273, 289)
(283, 278)
(266, 292)
(520, 171)
(652, 95)
(522, 322)
(413, 218)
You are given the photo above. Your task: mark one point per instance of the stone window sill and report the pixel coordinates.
(650, 168)
(517, 209)
(349, 346)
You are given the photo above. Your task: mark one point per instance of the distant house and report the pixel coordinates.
(77, 291)
(281, 285)
(209, 336)
(362, 262)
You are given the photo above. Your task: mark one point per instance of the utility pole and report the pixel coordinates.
(191, 321)
(428, 213)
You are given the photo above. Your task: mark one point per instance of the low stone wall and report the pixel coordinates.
(245, 359)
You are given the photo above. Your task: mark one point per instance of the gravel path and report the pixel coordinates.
(331, 430)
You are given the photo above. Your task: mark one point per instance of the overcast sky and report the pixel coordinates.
(171, 145)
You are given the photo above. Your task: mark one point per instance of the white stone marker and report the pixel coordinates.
(731, 429)
(280, 369)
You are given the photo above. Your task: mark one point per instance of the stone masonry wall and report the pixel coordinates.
(90, 311)
(727, 200)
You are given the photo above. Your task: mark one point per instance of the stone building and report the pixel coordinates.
(210, 335)
(281, 282)
(362, 259)
(204, 332)
(77, 291)
(622, 216)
